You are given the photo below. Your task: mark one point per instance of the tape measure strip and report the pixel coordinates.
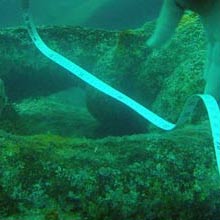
(210, 103)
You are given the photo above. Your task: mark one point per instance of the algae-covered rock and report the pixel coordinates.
(186, 54)
(121, 67)
(26, 72)
(155, 176)
(160, 80)
(63, 113)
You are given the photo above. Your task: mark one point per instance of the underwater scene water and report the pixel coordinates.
(74, 148)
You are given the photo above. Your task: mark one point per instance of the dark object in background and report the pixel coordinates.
(3, 98)
(107, 14)
(124, 14)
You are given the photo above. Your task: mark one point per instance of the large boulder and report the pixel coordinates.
(160, 80)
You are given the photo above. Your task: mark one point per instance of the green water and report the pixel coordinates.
(69, 152)
(108, 14)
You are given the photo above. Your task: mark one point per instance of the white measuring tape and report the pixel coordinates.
(209, 102)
